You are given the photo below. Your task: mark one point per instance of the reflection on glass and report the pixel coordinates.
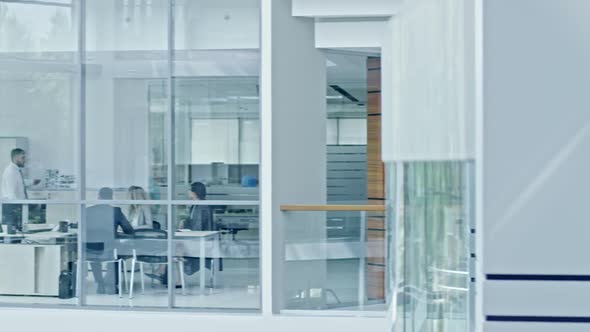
(38, 244)
(436, 257)
(30, 31)
(126, 63)
(37, 89)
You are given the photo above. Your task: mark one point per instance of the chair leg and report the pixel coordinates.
(141, 277)
(152, 279)
(212, 274)
(131, 279)
(125, 277)
(182, 283)
(119, 276)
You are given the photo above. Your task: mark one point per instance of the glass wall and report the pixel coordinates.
(434, 284)
(38, 151)
(130, 153)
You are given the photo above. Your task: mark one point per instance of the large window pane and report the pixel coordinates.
(38, 89)
(217, 151)
(126, 71)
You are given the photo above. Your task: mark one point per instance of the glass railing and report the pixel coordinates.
(335, 258)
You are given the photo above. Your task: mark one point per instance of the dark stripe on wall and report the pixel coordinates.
(538, 277)
(538, 319)
(344, 93)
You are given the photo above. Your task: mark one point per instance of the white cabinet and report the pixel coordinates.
(30, 269)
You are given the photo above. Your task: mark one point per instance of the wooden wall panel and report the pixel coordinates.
(375, 282)
(375, 180)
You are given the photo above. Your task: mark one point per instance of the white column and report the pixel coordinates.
(293, 118)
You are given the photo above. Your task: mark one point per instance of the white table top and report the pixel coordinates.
(59, 235)
(39, 235)
(195, 233)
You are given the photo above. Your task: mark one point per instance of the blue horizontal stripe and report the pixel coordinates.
(538, 277)
(538, 319)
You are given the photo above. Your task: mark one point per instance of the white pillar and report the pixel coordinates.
(293, 88)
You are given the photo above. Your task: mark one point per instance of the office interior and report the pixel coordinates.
(122, 139)
(113, 122)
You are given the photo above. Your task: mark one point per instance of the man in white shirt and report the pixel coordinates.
(14, 187)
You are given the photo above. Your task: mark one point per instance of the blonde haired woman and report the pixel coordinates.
(140, 216)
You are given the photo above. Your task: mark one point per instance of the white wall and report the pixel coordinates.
(346, 8)
(432, 111)
(351, 33)
(536, 143)
(98, 321)
(298, 151)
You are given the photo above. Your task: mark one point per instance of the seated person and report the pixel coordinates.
(140, 216)
(200, 218)
(102, 224)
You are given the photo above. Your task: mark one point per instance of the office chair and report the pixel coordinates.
(98, 249)
(151, 259)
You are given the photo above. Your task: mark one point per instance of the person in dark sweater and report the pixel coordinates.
(200, 218)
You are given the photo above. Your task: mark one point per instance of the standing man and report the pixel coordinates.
(14, 187)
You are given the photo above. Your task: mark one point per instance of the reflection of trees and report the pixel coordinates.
(35, 79)
(59, 36)
(13, 34)
(16, 36)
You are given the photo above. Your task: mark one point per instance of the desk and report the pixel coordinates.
(34, 268)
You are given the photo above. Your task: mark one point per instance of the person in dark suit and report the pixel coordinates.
(102, 224)
(200, 218)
